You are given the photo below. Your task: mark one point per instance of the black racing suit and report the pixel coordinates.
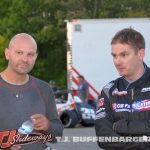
(124, 111)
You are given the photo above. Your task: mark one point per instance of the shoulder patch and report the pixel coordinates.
(107, 88)
(109, 85)
(100, 102)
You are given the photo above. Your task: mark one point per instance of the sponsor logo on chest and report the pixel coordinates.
(140, 105)
(146, 89)
(118, 93)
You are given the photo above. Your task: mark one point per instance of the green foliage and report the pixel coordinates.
(44, 20)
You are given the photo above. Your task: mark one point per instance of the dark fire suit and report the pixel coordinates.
(124, 111)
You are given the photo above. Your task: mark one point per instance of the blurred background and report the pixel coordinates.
(44, 20)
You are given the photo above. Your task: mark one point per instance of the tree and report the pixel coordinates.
(23, 16)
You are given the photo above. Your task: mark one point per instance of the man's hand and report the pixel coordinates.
(40, 122)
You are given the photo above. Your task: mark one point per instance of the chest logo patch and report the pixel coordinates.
(146, 89)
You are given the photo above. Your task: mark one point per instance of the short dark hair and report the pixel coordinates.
(80, 76)
(131, 37)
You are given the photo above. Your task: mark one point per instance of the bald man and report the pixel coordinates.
(24, 97)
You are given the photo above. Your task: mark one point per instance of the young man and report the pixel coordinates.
(124, 104)
(83, 89)
(83, 92)
(24, 97)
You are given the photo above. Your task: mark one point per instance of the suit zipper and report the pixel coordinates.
(132, 97)
(132, 93)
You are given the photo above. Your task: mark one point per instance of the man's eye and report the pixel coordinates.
(124, 55)
(19, 53)
(114, 56)
(31, 54)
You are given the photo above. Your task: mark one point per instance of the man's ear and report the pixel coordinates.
(6, 52)
(141, 53)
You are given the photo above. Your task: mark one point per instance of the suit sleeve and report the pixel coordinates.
(104, 126)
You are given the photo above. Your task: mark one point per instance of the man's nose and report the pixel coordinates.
(25, 57)
(117, 61)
